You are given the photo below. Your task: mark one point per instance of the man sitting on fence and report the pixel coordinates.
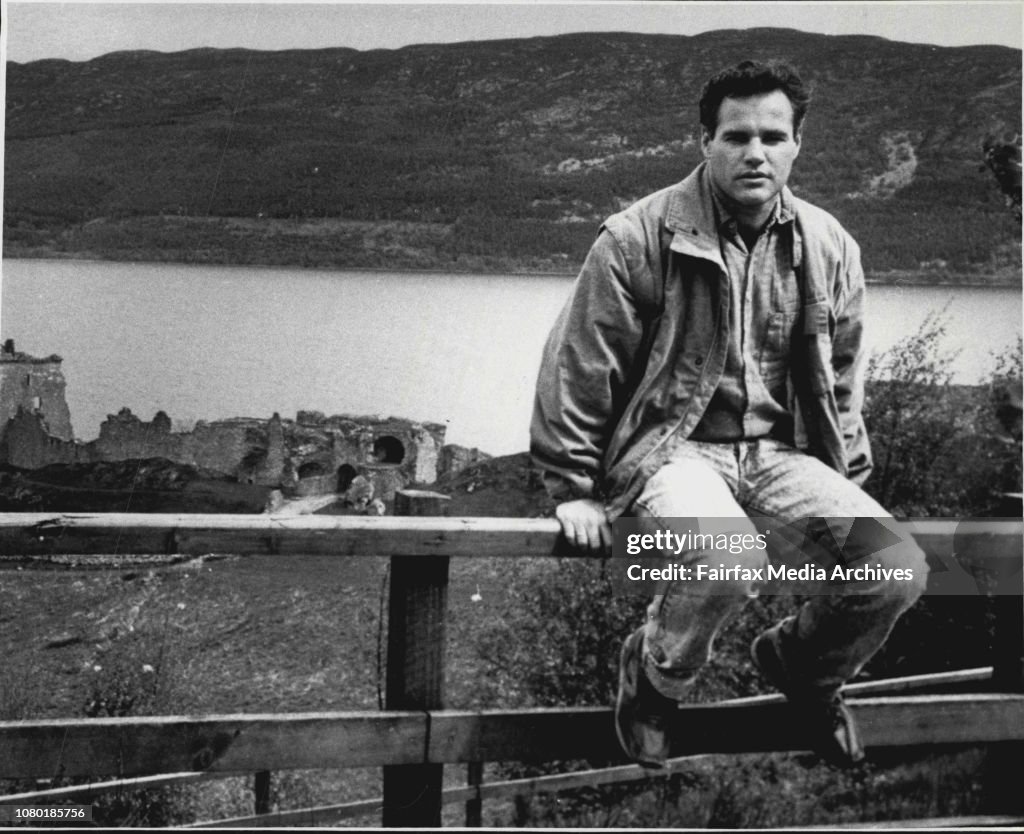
(709, 364)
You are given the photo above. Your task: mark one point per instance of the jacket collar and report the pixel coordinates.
(691, 217)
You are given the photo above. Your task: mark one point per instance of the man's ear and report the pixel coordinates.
(705, 141)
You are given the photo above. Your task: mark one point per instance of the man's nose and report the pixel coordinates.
(754, 151)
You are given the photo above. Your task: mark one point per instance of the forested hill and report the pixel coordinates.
(487, 155)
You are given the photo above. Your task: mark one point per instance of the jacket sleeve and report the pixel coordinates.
(583, 374)
(849, 362)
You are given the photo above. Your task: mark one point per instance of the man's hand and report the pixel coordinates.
(585, 525)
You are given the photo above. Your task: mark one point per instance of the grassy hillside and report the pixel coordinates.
(486, 155)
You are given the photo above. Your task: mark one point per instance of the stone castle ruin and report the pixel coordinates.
(360, 457)
(34, 386)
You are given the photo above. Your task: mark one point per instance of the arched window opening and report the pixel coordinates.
(346, 474)
(388, 449)
(311, 470)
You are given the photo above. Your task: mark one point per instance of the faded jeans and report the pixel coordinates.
(835, 632)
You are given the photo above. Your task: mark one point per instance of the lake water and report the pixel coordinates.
(205, 342)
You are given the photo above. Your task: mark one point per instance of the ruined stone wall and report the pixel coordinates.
(222, 446)
(28, 443)
(267, 469)
(311, 455)
(388, 453)
(123, 436)
(427, 447)
(226, 445)
(314, 485)
(453, 459)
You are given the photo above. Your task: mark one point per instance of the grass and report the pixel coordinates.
(776, 791)
(261, 634)
(207, 637)
(215, 636)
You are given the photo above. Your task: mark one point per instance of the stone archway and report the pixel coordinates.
(388, 449)
(310, 469)
(346, 474)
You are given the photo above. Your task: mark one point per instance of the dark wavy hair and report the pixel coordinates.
(751, 78)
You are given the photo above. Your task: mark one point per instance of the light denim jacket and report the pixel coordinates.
(640, 347)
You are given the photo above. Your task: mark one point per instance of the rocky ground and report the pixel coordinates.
(503, 486)
(507, 486)
(152, 485)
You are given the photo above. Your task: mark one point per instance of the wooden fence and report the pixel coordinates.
(415, 737)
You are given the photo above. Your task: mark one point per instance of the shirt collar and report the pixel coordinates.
(691, 218)
(782, 212)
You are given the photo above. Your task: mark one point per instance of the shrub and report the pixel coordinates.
(139, 671)
(938, 447)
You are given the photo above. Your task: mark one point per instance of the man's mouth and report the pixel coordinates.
(754, 177)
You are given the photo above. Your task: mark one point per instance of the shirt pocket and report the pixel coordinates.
(776, 345)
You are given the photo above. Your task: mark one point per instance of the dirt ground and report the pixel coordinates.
(226, 635)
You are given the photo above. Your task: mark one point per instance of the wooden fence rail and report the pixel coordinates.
(416, 735)
(337, 740)
(967, 680)
(61, 534)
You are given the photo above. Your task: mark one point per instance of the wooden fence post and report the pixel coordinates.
(261, 791)
(1008, 659)
(417, 608)
(1003, 767)
(474, 806)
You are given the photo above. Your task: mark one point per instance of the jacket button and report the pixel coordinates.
(699, 361)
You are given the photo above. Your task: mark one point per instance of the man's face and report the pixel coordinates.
(753, 149)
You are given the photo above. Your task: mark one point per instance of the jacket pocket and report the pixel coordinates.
(816, 316)
(822, 375)
(818, 340)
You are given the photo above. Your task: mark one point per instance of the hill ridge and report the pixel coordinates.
(479, 155)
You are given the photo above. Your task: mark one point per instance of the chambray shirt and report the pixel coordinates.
(764, 304)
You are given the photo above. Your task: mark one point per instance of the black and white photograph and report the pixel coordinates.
(585, 414)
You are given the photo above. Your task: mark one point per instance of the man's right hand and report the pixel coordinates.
(585, 525)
